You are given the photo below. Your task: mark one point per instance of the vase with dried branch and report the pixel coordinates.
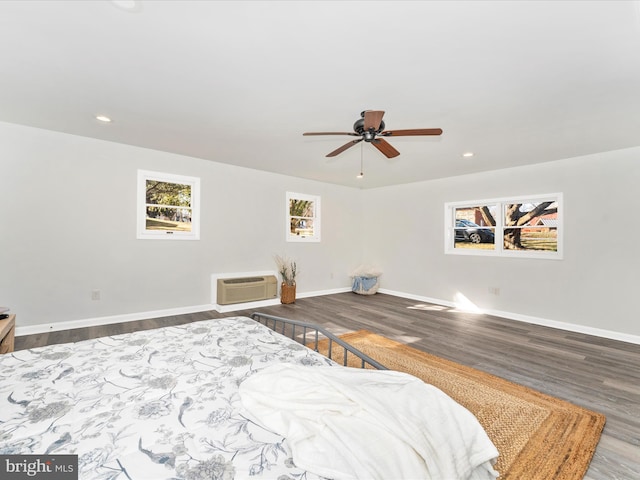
(288, 270)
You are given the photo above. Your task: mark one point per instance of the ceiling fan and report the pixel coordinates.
(370, 128)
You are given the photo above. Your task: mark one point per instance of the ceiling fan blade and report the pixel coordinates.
(385, 147)
(344, 147)
(331, 133)
(412, 132)
(372, 119)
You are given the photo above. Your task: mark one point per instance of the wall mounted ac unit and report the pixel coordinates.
(247, 289)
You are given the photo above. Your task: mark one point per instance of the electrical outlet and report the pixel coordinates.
(95, 294)
(494, 290)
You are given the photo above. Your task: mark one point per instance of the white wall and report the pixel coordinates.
(68, 208)
(596, 285)
(68, 227)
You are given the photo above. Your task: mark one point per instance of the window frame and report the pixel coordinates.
(142, 232)
(315, 237)
(500, 227)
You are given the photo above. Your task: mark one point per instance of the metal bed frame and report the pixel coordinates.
(287, 327)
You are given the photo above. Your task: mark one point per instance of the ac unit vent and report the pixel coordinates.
(247, 289)
(243, 280)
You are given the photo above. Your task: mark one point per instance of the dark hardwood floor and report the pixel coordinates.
(598, 374)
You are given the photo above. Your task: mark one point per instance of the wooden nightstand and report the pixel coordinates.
(7, 334)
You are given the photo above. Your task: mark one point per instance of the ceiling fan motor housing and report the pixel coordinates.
(373, 120)
(369, 135)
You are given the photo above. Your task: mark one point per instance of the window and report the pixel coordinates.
(168, 206)
(303, 218)
(475, 227)
(518, 227)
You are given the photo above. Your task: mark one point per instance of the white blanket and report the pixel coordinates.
(348, 423)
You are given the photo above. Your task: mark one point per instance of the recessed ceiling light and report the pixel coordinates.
(127, 5)
(103, 118)
(467, 154)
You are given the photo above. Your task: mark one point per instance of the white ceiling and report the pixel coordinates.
(239, 82)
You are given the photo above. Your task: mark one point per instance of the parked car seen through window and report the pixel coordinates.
(467, 231)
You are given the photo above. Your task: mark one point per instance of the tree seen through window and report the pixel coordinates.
(168, 206)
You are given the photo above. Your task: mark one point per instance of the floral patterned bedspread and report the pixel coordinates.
(156, 404)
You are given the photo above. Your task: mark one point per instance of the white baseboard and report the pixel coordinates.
(571, 327)
(131, 317)
(319, 293)
(91, 322)
(234, 307)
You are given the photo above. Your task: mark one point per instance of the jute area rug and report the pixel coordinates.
(538, 436)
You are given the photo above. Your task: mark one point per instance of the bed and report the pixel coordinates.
(206, 400)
